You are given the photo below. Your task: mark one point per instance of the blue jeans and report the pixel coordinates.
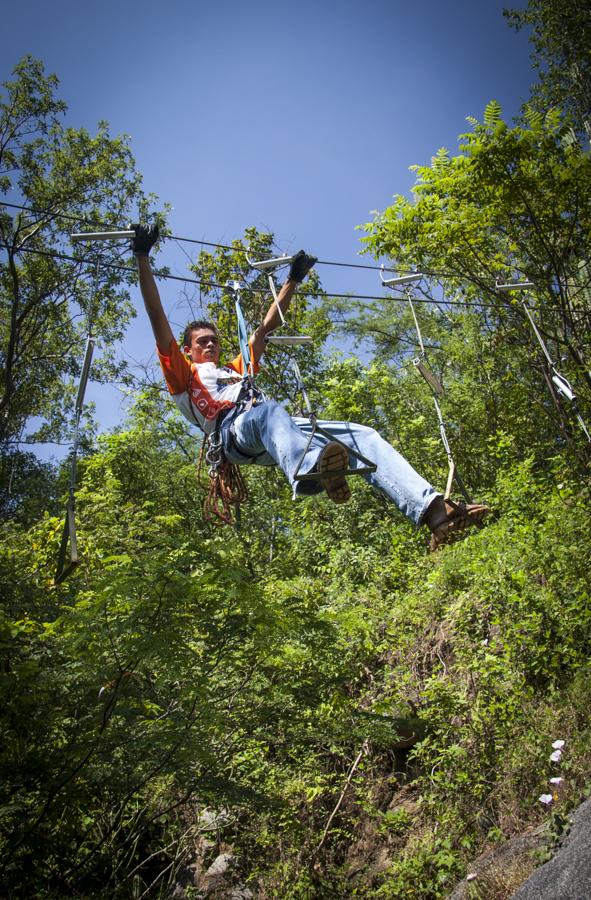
(267, 435)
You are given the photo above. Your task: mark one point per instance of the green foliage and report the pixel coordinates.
(28, 487)
(428, 871)
(46, 302)
(200, 678)
(247, 673)
(560, 36)
(492, 114)
(351, 716)
(513, 204)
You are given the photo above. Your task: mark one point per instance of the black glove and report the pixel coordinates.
(144, 239)
(300, 266)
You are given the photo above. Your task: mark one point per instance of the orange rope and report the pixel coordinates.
(227, 489)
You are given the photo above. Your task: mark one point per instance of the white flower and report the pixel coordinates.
(556, 756)
(557, 780)
(558, 745)
(471, 876)
(546, 799)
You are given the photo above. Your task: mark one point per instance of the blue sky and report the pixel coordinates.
(300, 119)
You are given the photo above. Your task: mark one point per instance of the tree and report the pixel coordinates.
(28, 487)
(514, 204)
(561, 38)
(182, 667)
(50, 293)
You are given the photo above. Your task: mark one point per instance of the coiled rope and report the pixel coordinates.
(227, 487)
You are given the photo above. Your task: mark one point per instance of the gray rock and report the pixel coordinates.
(212, 819)
(178, 893)
(567, 876)
(241, 892)
(221, 865)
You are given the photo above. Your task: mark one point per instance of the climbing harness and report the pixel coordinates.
(269, 266)
(67, 562)
(560, 382)
(405, 282)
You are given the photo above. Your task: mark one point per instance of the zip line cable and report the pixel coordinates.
(321, 262)
(173, 237)
(170, 237)
(95, 223)
(479, 304)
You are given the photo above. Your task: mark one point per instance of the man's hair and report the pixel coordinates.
(197, 325)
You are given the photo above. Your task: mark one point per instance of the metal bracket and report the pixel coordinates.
(268, 265)
(399, 280)
(102, 236)
(289, 340)
(514, 286)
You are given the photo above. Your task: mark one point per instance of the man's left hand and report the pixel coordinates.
(144, 239)
(301, 264)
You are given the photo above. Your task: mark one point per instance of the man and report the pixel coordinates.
(264, 433)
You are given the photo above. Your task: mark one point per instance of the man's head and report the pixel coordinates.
(201, 342)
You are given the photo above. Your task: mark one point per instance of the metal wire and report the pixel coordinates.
(477, 304)
(322, 262)
(173, 237)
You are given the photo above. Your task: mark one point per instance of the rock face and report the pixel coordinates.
(567, 876)
(221, 879)
(497, 873)
(509, 872)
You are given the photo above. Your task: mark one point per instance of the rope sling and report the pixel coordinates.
(405, 283)
(67, 562)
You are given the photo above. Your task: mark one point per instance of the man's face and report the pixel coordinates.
(204, 347)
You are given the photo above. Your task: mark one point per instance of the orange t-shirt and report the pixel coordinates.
(201, 390)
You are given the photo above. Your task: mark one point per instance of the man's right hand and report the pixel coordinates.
(144, 239)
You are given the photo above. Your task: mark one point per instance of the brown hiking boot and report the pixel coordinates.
(452, 518)
(332, 463)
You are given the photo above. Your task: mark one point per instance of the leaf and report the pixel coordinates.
(492, 113)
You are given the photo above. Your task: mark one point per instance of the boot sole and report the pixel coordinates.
(332, 462)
